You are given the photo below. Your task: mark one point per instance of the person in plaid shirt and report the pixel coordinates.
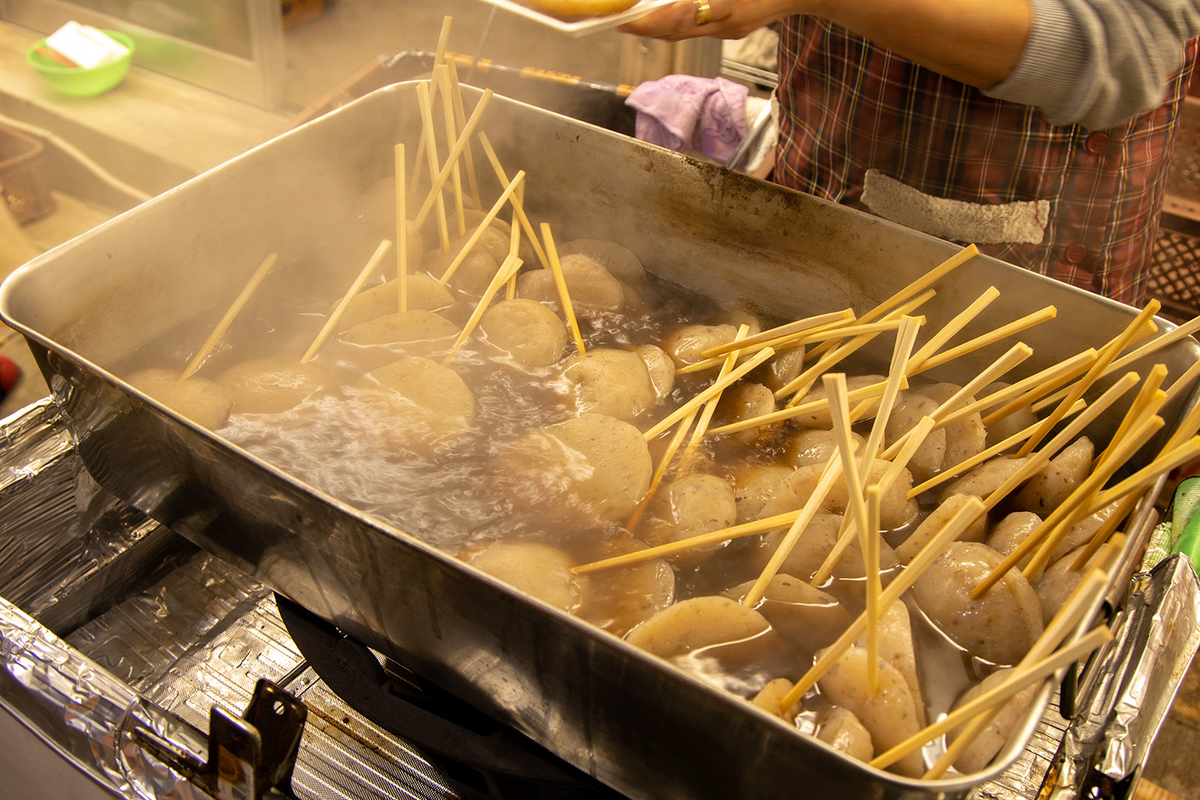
(1040, 130)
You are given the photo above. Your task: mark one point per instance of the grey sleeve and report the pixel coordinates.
(1100, 63)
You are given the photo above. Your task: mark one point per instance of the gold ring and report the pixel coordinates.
(703, 12)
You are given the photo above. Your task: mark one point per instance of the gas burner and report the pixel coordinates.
(484, 759)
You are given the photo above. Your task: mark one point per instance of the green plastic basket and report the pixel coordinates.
(76, 81)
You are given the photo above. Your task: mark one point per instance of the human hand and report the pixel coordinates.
(723, 19)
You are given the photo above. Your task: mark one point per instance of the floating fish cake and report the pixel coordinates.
(409, 327)
(528, 331)
(1000, 626)
(686, 343)
(424, 294)
(615, 383)
(593, 461)
(275, 384)
(591, 288)
(436, 391)
(538, 570)
(699, 622)
(206, 403)
(619, 261)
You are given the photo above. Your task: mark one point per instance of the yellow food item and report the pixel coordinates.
(580, 9)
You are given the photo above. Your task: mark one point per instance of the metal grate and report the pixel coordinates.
(1174, 277)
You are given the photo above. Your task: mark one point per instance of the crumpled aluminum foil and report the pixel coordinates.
(1155, 638)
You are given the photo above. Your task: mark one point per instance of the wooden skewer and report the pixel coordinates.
(779, 343)
(1186, 379)
(1149, 401)
(900, 584)
(713, 390)
(799, 386)
(660, 471)
(1019, 678)
(238, 304)
(1186, 429)
(765, 525)
(560, 283)
(442, 72)
(847, 533)
(1112, 348)
(1124, 509)
(1052, 382)
(432, 88)
(401, 233)
(1172, 456)
(371, 265)
(976, 460)
(519, 209)
(431, 157)
(922, 283)
(1020, 387)
(979, 342)
(710, 407)
(1045, 533)
(1038, 461)
(870, 548)
(1107, 354)
(832, 471)
(1011, 358)
(460, 115)
(1082, 601)
(839, 407)
(948, 331)
(1070, 512)
(862, 393)
(771, 336)
(509, 267)
(473, 239)
(906, 337)
(915, 288)
(514, 244)
(460, 147)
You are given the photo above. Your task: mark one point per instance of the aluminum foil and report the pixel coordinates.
(67, 547)
(1156, 635)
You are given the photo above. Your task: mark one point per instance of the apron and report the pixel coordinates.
(862, 126)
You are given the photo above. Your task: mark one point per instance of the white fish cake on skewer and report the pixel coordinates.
(685, 343)
(660, 367)
(206, 403)
(843, 731)
(592, 289)
(1000, 626)
(693, 504)
(424, 294)
(530, 333)
(275, 384)
(599, 464)
(620, 261)
(1047, 489)
(538, 570)
(890, 714)
(985, 747)
(1008, 533)
(615, 383)
(696, 623)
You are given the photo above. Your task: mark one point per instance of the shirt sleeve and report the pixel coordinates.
(1100, 63)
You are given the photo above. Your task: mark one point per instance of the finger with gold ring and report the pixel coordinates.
(703, 12)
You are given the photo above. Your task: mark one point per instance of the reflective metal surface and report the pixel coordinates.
(626, 717)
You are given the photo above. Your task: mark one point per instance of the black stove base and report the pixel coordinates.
(484, 759)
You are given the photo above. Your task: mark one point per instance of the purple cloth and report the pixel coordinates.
(683, 112)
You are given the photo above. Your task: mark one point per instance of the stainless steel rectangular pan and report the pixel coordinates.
(628, 718)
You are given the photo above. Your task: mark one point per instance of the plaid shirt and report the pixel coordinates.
(848, 106)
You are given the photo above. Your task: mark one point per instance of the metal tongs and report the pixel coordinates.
(1123, 696)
